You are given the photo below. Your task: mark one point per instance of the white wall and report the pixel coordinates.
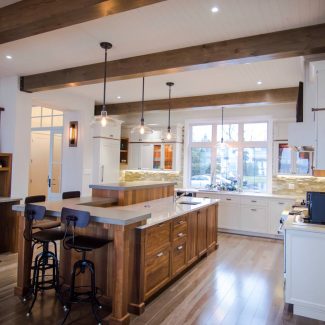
(76, 161)
(15, 131)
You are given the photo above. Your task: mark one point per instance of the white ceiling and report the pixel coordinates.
(222, 79)
(163, 26)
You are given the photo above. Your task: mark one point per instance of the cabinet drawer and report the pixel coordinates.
(254, 201)
(156, 237)
(157, 271)
(253, 219)
(230, 199)
(180, 230)
(179, 256)
(179, 222)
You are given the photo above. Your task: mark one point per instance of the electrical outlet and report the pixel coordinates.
(291, 186)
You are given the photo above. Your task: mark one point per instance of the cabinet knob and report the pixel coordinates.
(160, 225)
(180, 222)
(160, 254)
(180, 234)
(180, 247)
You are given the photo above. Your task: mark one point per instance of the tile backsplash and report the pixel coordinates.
(289, 185)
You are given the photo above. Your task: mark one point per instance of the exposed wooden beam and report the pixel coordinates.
(31, 17)
(268, 96)
(288, 43)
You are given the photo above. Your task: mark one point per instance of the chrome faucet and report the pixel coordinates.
(176, 198)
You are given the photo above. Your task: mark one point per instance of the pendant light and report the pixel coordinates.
(169, 134)
(222, 145)
(142, 129)
(104, 118)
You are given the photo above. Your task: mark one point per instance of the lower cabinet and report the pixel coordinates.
(229, 216)
(168, 248)
(254, 219)
(275, 209)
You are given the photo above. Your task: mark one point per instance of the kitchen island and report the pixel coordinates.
(153, 242)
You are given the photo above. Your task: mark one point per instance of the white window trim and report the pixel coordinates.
(188, 144)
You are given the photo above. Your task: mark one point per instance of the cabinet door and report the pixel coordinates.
(320, 119)
(179, 256)
(202, 232)
(275, 209)
(134, 156)
(229, 216)
(109, 161)
(192, 252)
(211, 226)
(146, 156)
(169, 156)
(253, 219)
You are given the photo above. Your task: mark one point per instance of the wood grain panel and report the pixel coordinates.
(267, 96)
(282, 44)
(33, 17)
(192, 250)
(202, 232)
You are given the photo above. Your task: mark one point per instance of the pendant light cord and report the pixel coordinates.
(222, 124)
(170, 90)
(142, 104)
(105, 74)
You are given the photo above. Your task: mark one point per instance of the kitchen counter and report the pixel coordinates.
(165, 209)
(125, 186)
(97, 207)
(8, 199)
(258, 194)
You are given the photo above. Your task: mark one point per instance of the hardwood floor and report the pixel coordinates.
(240, 283)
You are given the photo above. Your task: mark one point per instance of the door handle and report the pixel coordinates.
(49, 181)
(102, 178)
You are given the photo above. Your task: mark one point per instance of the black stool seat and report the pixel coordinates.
(85, 243)
(48, 235)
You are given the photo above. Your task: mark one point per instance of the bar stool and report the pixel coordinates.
(80, 219)
(70, 195)
(46, 259)
(42, 224)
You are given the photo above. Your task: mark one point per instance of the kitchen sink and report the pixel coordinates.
(189, 203)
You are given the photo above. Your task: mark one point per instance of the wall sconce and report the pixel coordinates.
(73, 134)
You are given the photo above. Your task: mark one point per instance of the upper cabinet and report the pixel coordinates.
(154, 151)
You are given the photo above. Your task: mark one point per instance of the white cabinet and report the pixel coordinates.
(229, 216)
(304, 272)
(146, 156)
(276, 206)
(253, 218)
(106, 160)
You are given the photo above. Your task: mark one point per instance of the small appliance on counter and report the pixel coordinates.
(316, 207)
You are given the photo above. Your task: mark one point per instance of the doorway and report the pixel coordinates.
(46, 153)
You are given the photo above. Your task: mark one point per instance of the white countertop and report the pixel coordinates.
(154, 211)
(292, 223)
(8, 199)
(124, 186)
(259, 194)
(112, 215)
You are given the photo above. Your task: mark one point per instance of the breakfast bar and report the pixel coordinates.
(153, 242)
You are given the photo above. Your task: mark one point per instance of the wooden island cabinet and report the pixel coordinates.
(168, 248)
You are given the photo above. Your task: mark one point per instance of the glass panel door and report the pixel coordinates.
(157, 156)
(168, 156)
(55, 167)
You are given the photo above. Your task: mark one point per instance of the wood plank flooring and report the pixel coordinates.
(241, 283)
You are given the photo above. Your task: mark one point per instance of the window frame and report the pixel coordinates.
(240, 145)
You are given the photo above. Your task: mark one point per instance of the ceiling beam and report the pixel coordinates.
(32, 17)
(268, 96)
(288, 43)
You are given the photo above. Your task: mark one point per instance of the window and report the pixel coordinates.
(290, 161)
(240, 161)
(43, 117)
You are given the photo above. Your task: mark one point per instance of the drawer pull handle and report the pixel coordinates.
(180, 222)
(281, 203)
(253, 209)
(228, 199)
(180, 234)
(160, 254)
(160, 225)
(253, 201)
(180, 247)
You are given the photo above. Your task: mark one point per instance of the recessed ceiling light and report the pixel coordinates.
(118, 97)
(259, 82)
(9, 57)
(214, 9)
